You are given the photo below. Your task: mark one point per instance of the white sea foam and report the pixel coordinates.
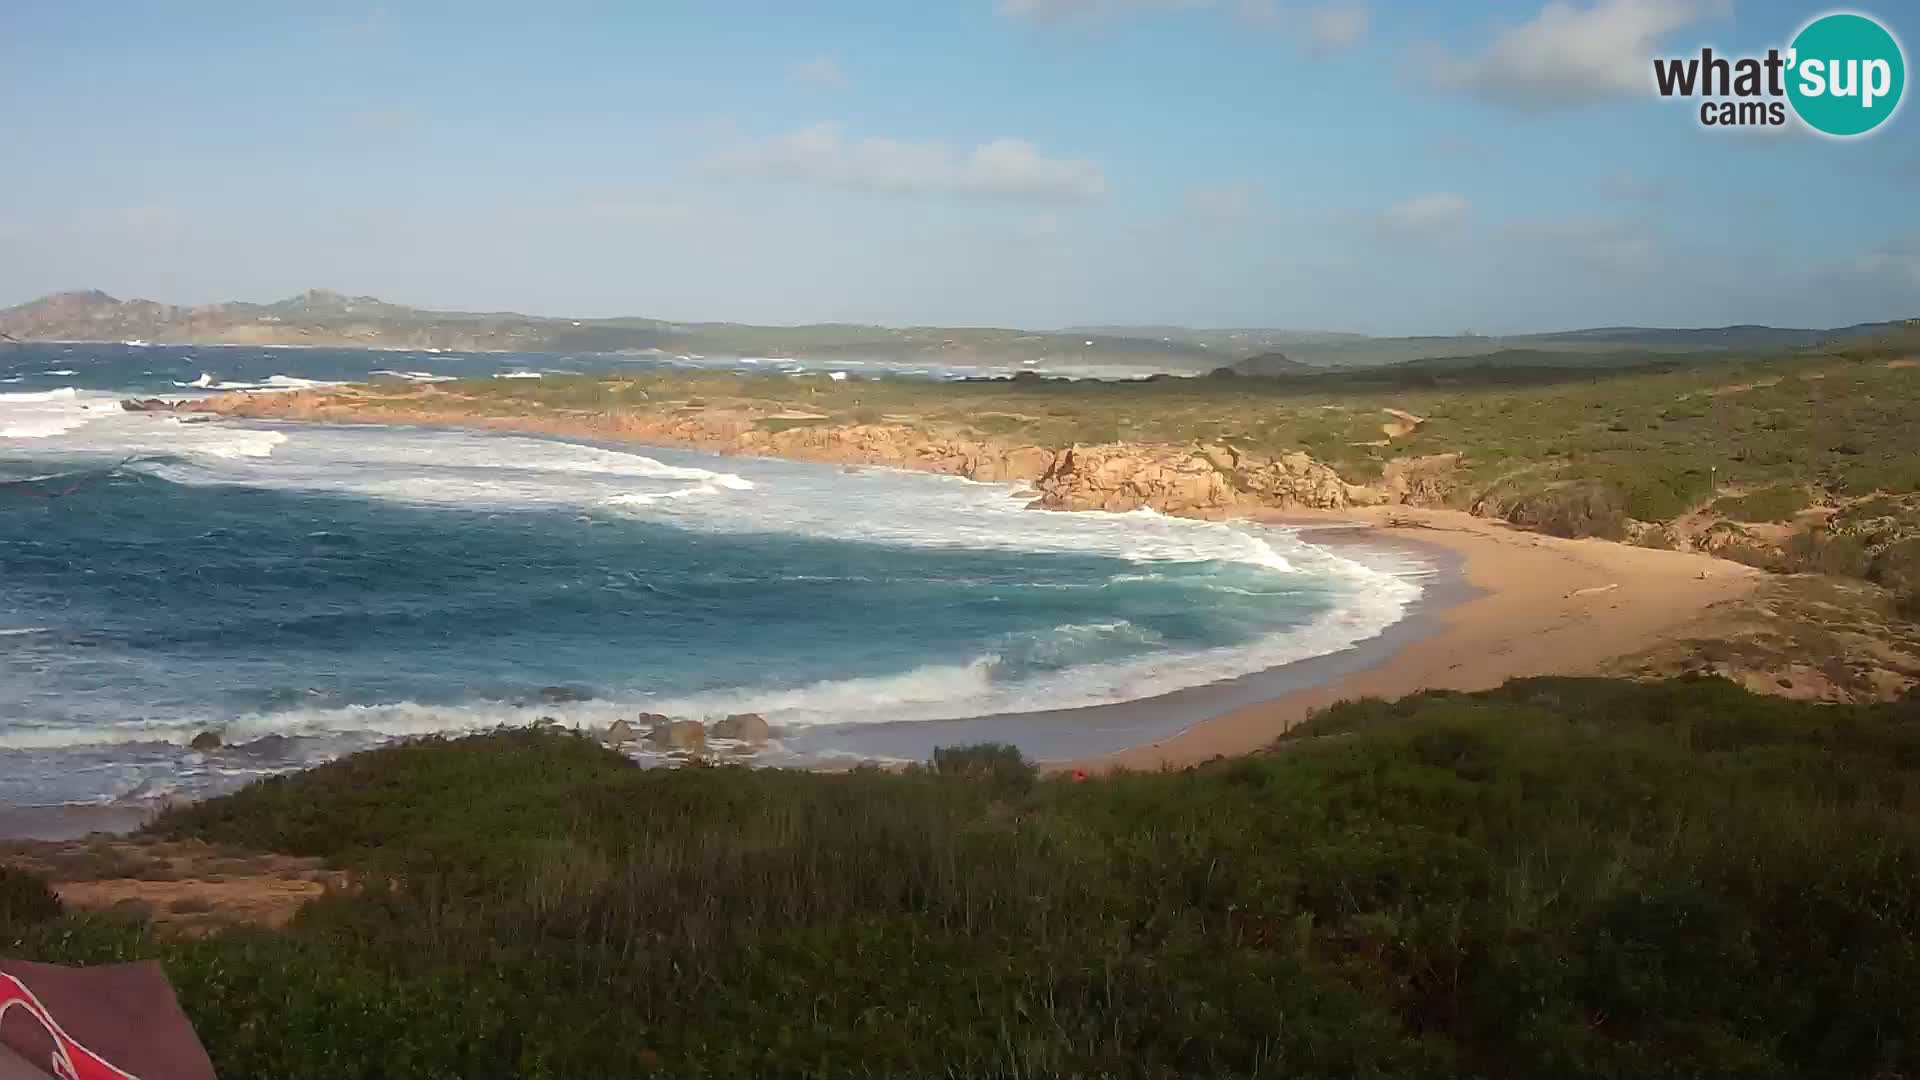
(415, 376)
(47, 413)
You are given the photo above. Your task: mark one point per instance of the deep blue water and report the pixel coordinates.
(341, 585)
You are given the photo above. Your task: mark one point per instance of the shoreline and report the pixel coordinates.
(1539, 605)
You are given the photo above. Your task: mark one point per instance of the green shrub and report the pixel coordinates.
(25, 898)
(1574, 510)
(1897, 567)
(1659, 537)
(1657, 491)
(998, 424)
(1779, 503)
(1819, 551)
(999, 765)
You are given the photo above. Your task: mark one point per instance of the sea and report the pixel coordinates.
(305, 591)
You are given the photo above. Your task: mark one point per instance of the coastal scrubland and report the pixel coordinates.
(1562, 877)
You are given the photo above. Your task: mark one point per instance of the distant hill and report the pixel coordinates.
(323, 317)
(1723, 337)
(1270, 364)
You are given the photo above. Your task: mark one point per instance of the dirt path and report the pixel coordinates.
(184, 885)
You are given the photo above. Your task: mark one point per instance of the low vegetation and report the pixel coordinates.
(1571, 878)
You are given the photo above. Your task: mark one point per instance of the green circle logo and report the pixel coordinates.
(1846, 74)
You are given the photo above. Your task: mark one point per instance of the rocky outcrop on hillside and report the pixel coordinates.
(1207, 481)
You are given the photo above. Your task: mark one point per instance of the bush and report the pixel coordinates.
(999, 765)
(1659, 537)
(25, 898)
(1819, 551)
(1768, 504)
(1897, 567)
(1576, 510)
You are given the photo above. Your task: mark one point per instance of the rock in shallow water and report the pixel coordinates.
(205, 741)
(678, 735)
(745, 727)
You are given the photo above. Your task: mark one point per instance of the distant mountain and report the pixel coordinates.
(323, 317)
(1271, 364)
(1721, 337)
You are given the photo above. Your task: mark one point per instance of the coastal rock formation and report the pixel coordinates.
(205, 741)
(1292, 480)
(1423, 481)
(1208, 481)
(686, 735)
(744, 727)
(1118, 477)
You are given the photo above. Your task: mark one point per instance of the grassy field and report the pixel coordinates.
(1575, 878)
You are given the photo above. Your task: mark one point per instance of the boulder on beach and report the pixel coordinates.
(744, 727)
(620, 732)
(678, 735)
(205, 741)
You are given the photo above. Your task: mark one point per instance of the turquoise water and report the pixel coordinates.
(307, 590)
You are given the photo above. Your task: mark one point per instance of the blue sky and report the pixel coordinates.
(1387, 167)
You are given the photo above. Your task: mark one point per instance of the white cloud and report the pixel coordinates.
(1570, 54)
(1012, 168)
(1427, 215)
(1336, 26)
(820, 70)
(1233, 202)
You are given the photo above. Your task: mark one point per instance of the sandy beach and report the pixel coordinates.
(1542, 605)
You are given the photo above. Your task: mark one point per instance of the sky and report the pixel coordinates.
(1380, 166)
